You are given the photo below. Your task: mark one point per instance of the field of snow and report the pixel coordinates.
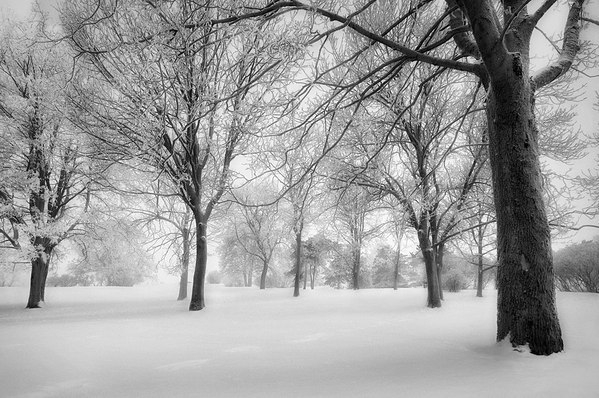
(140, 342)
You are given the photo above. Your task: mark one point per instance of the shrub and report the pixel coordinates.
(64, 280)
(577, 267)
(454, 281)
(213, 277)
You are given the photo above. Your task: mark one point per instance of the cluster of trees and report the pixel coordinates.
(269, 122)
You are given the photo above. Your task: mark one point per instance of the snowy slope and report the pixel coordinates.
(139, 342)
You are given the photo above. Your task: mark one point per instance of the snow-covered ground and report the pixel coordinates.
(140, 342)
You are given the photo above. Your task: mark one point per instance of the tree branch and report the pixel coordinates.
(570, 48)
(534, 18)
(347, 21)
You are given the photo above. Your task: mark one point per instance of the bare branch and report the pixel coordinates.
(570, 47)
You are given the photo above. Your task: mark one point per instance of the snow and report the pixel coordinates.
(129, 342)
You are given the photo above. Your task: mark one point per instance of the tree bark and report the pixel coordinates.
(45, 270)
(183, 281)
(40, 265)
(526, 309)
(263, 275)
(432, 280)
(526, 292)
(197, 293)
(356, 268)
(440, 251)
(298, 262)
(396, 268)
(480, 269)
(184, 266)
(35, 287)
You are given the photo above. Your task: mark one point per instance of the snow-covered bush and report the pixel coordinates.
(577, 267)
(455, 281)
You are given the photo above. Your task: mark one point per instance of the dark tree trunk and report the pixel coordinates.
(45, 270)
(35, 287)
(298, 262)
(432, 280)
(312, 275)
(263, 275)
(439, 263)
(526, 296)
(39, 272)
(197, 292)
(184, 266)
(526, 310)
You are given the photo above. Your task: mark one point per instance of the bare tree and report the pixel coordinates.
(179, 92)
(259, 232)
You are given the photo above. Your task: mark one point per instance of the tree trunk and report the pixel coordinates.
(439, 264)
(305, 273)
(45, 270)
(526, 292)
(298, 262)
(184, 266)
(480, 269)
(197, 292)
(39, 273)
(432, 280)
(312, 275)
(250, 277)
(263, 275)
(396, 268)
(183, 281)
(479, 281)
(356, 269)
(35, 287)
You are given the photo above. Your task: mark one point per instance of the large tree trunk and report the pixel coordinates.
(298, 262)
(526, 309)
(432, 280)
(263, 275)
(35, 287)
(197, 292)
(526, 296)
(39, 273)
(184, 266)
